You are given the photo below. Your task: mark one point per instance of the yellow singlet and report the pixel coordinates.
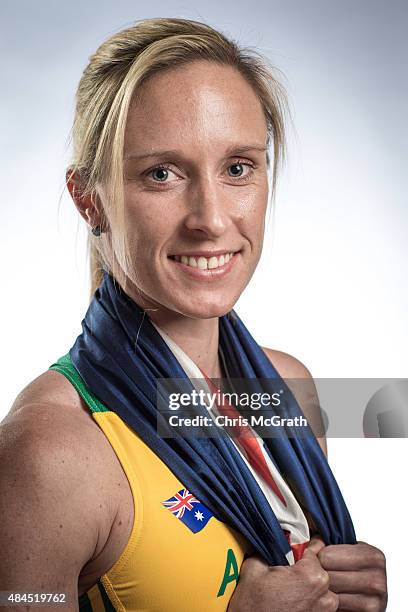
(165, 566)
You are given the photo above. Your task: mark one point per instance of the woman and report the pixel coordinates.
(111, 511)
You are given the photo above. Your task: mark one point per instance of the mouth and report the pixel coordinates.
(204, 264)
(204, 260)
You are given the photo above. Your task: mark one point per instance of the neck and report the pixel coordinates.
(198, 338)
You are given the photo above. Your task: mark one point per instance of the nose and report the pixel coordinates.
(209, 209)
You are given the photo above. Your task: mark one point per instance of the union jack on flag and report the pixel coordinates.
(188, 509)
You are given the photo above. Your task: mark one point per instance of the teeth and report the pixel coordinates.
(204, 263)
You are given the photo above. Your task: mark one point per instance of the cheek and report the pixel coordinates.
(252, 211)
(145, 227)
(255, 199)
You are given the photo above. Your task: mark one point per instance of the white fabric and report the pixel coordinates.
(290, 517)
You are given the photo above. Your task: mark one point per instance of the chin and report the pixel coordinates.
(206, 310)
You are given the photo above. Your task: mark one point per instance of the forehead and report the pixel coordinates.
(199, 105)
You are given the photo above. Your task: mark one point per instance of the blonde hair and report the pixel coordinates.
(114, 73)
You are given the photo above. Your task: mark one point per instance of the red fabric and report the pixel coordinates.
(248, 442)
(297, 549)
(255, 457)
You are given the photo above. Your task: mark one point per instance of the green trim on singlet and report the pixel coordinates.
(65, 366)
(84, 603)
(105, 598)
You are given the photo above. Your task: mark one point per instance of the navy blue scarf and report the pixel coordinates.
(120, 355)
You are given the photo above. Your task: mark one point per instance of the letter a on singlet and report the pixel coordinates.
(230, 573)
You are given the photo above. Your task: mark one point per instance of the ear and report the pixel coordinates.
(88, 205)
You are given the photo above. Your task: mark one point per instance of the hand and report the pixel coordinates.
(357, 574)
(302, 587)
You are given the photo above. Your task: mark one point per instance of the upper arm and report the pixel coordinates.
(46, 533)
(300, 382)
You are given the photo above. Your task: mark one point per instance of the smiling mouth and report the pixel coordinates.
(201, 262)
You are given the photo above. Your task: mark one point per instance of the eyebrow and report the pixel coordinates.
(236, 148)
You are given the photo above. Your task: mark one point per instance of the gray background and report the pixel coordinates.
(331, 286)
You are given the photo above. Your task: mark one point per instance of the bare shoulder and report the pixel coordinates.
(56, 477)
(51, 389)
(287, 365)
(300, 381)
(49, 412)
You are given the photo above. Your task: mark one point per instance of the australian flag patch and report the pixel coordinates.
(189, 510)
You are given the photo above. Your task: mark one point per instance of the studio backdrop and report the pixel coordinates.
(331, 286)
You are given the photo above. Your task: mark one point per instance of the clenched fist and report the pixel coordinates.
(357, 573)
(302, 587)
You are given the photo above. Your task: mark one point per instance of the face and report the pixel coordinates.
(196, 189)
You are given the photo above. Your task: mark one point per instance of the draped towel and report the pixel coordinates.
(120, 355)
(292, 519)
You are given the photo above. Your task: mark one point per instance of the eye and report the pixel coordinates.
(238, 169)
(159, 173)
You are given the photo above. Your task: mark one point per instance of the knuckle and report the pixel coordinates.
(379, 558)
(330, 601)
(323, 556)
(372, 606)
(326, 555)
(333, 601)
(376, 556)
(320, 579)
(379, 585)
